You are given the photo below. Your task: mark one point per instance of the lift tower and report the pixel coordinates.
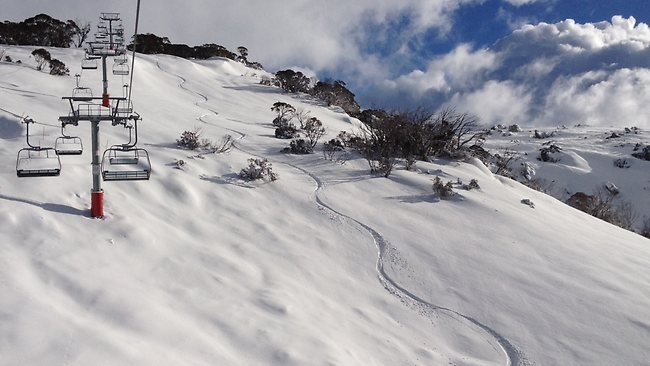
(109, 42)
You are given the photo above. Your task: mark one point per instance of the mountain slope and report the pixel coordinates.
(196, 267)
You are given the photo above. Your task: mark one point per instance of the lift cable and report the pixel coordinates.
(135, 43)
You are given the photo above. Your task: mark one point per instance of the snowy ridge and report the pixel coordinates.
(197, 267)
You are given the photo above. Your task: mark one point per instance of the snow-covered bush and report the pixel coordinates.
(314, 130)
(528, 202)
(268, 81)
(544, 134)
(473, 184)
(57, 67)
(331, 147)
(642, 152)
(545, 153)
(42, 57)
(514, 128)
(191, 140)
(299, 146)
(258, 168)
(621, 163)
(286, 131)
(443, 190)
(604, 205)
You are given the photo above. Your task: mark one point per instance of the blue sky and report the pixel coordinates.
(492, 58)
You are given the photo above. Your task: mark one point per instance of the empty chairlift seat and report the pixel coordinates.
(68, 145)
(89, 64)
(120, 163)
(37, 162)
(120, 69)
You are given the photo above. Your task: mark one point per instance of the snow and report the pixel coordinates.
(328, 265)
(586, 162)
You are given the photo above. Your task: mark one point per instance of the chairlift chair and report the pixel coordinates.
(68, 145)
(122, 163)
(37, 161)
(123, 108)
(122, 59)
(121, 69)
(126, 162)
(89, 64)
(81, 93)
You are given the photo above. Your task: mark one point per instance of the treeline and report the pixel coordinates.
(45, 31)
(331, 92)
(152, 44)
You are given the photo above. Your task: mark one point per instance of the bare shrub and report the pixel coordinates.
(331, 147)
(302, 116)
(642, 153)
(270, 81)
(57, 67)
(502, 163)
(622, 163)
(42, 57)
(545, 153)
(190, 140)
(409, 162)
(314, 130)
(286, 131)
(473, 184)
(258, 168)
(223, 146)
(443, 190)
(645, 229)
(299, 146)
(605, 206)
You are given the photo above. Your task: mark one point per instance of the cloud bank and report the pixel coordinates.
(562, 73)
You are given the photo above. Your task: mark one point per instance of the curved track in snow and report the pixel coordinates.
(512, 355)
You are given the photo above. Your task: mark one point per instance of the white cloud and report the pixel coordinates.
(543, 74)
(521, 2)
(601, 98)
(495, 102)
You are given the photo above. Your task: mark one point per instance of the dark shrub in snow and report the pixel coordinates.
(57, 67)
(299, 146)
(546, 153)
(190, 140)
(443, 190)
(331, 147)
(258, 168)
(286, 131)
(642, 153)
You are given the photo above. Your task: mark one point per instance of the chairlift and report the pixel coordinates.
(122, 59)
(37, 161)
(123, 108)
(89, 64)
(68, 145)
(126, 162)
(81, 93)
(121, 69)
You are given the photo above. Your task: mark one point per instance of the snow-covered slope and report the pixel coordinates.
(326, 266)
(589, 159)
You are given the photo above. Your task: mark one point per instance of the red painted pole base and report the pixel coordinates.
(97, 204)
(105, 101)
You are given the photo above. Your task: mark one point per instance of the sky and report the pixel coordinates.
(507, 61)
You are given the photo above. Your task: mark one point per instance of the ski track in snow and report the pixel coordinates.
(512, 355)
